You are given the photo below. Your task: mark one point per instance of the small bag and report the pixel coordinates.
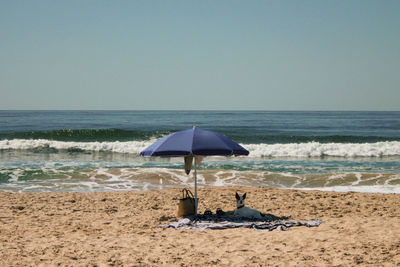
(186, 203)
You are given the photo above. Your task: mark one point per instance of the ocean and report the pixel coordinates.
(86, 151)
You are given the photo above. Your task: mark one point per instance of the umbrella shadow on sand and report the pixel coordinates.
(269, 222)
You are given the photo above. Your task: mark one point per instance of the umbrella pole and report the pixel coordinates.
(195, 189)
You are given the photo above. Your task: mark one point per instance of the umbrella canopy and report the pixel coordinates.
(194, 143)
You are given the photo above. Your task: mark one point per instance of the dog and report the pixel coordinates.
(242, 211)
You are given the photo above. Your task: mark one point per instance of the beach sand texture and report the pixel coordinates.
(119, 229)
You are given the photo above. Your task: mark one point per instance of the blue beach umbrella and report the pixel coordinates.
(194, 143)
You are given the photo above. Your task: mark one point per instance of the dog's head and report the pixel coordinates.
(240, 200)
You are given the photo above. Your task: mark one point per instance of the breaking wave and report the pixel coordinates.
(315, 149)
(297, 150)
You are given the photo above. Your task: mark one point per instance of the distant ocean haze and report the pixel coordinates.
(99, 150)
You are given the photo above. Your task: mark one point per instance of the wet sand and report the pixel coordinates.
(119, 229)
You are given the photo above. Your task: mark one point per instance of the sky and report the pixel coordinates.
(200, 55)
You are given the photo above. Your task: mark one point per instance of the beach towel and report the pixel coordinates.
(215, 222)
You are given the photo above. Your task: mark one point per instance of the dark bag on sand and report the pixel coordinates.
(186, 203)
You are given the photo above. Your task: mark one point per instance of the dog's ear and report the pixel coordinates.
(244, 196)
(237, 196)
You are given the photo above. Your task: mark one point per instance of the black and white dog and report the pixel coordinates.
(242, 211)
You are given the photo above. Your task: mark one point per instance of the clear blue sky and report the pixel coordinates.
(268, 55)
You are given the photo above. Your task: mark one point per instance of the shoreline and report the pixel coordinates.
(119, 228)
(101, 179)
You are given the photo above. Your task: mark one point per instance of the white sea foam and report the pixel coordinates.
(315, 149)
(385, 189)
(131, 147)
(119, 179)
(311, 149)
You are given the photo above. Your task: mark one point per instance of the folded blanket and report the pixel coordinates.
(228, 222)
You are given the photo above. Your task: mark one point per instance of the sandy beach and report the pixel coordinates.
(120, 229)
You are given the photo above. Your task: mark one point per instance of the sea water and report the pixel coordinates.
(85, 151)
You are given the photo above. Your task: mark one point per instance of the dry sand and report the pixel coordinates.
(119, 229)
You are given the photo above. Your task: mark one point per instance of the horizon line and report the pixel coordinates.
(214, 110)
